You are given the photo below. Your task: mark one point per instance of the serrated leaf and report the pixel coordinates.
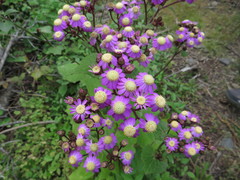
(6, 26)
(70, 72)
(56, 50)
(10, 11)
(80, 173)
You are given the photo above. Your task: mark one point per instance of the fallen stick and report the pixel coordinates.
(25, 125)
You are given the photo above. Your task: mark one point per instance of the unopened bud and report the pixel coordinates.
(181, 150)
(124, 143)
(104, 164)
(115, 152)
(181, 121)
(89, 123)
(129, 69)
(174, 116)
(109, 156)
(61, 133)
(111, 166)
(116, 147)
(101, 131)
(72, 136)
(82, 93)
(78, 121)
(73, 144)
(121, 61)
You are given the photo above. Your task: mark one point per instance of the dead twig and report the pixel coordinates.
(26, 125)
(12, 123)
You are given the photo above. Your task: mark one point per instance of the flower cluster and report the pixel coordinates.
(189, 138)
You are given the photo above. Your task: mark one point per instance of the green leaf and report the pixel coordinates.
(62, 90)
(184, 53)
(145, 139)
(46, 29)
(70, 72)
(191, 175)
(81, 173)
(56, 50)
(10, 11)
(18, 59)
(6, 26)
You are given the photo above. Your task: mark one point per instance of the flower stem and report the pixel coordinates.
(159, 147)
(146, 12)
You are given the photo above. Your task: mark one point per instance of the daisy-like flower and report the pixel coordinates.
(121, 46)
(112, 77)
(104, 30)
(128, 31)
(145, 82)
(141, 99)
(143, 40)
(83, 130)
(119, 8)
(182, 37)
(93, 38)
(129, 128)
(92, 164)
(194, 118)
(127, 169)
(172, 144)
(134, 51)
(155, 2)
(87, 26)
(66, 146)
(80, 142)
(75, 157)
(122, 61)
(96, 69)
(134, 12)
(59, 35)
(199, 146)
(109, 141)
(94, 148)
(110, 41)
(169, 40)
(125, 20)
(190, 150)
(198, 40)
(185, 134)
(69, 100)
(106, 60)
(150, 34)
(184, 115)
(150, 124)
(182, 30)
(197, 131)
(59, 25)
(79, 109)
(127, 87)
(190, 42)
(107, 122)
(127, 157)
(143, 60)
(175, 126)
(77, 20)
(157, 102)
(120, 108)
(161, 43)
(94, 106)
(97, 120)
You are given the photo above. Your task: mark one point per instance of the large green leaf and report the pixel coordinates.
(70, 72)
(80, 173)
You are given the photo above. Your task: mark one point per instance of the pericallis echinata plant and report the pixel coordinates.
(126, 103)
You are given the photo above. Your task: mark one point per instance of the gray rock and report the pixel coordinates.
(227, 143)
(225, 61)
(191, 61)
(214, 3)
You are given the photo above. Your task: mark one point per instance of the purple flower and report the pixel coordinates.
(143, 40)
(199, 146)
(145, 82)
(197, 131)
(103, 30)
(77, 20)
(87, 26)
(109, 141)
(75, 158)
(141, 99)
(184, 114)
(121, 47)
(126, 157)
(119, 8)
(172, 143)
(96, 69)
(59, 35)
(150, 124)
(83, 130)
(182, 37)
(106, 60)
(92, 164)
(94, 106)
(161, 43)
(125, 20)
(66, 147)
(190, 42)
(93, 38)
(175, 126)
(112, 77)
(122, 61)
(129, 128)
(134, 51)
(80, 110)
(80, 142)
(107, 122)
(69, 100)
(155, 2)
(185, 134)
(120, 108)
(190, 1)
(157, 102)
(127, 169)
(110, 41)
(59, 25)
(127, 87)
(97, 120)
(190, 150)
(134, 12)
(194, 118)
(182, 30)
(128, 32)
(94, 148)
(143, 60)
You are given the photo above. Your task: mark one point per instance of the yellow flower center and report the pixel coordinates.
(141, 100)
(128, 29)
(71, 10)
(200, 39)
(198, 146)
(130, 86)
(181, 29)
(108, 122)
(153, 50)
(187, 135)
(150, 32)
(143, 40)
(129, 131)
(60, 11)
(65, 18)
(93, 34)
(80, 109)
(125, 21)
(76, 17)
(122, 45)
(198, 129)
(57, 22)
(94, 147)
(106, 30)
(87, 24)
(96, 118)
(151, 126)
(148, 79)
(181, 36)
(100, 97)
(127, 155)
(81, 131)
(119, 107)
(80, 142)
(109, 38)
(107, 57)
(174, 124)
(66, 7)
(58, 34)
(171, 143)
(170, 38)
(83, 3)
(112, 75)
(119, 5)
(185, 113)
(72, 159)
(194, 119)
(135, 9)
(161, 40)
(191, 34)
(160, 101)
(94, 106)
(90, 166)
(96, 69)
(135, 49)
(192, 151)
(191, 43)
(143, 58)
(202, 33)
(108, 139)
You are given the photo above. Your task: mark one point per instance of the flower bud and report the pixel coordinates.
(115, 158)
(181, 150)
(121, 61)
(73, 144)
(99, 56)
(104, 164)
(129, 69)
(61, 133)
(116, 148)
(72, 136)
(82, 94)
(101, 131)
(111, 166)
(115, 152)
(78, 121)
(89, 123)
(124, 143)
